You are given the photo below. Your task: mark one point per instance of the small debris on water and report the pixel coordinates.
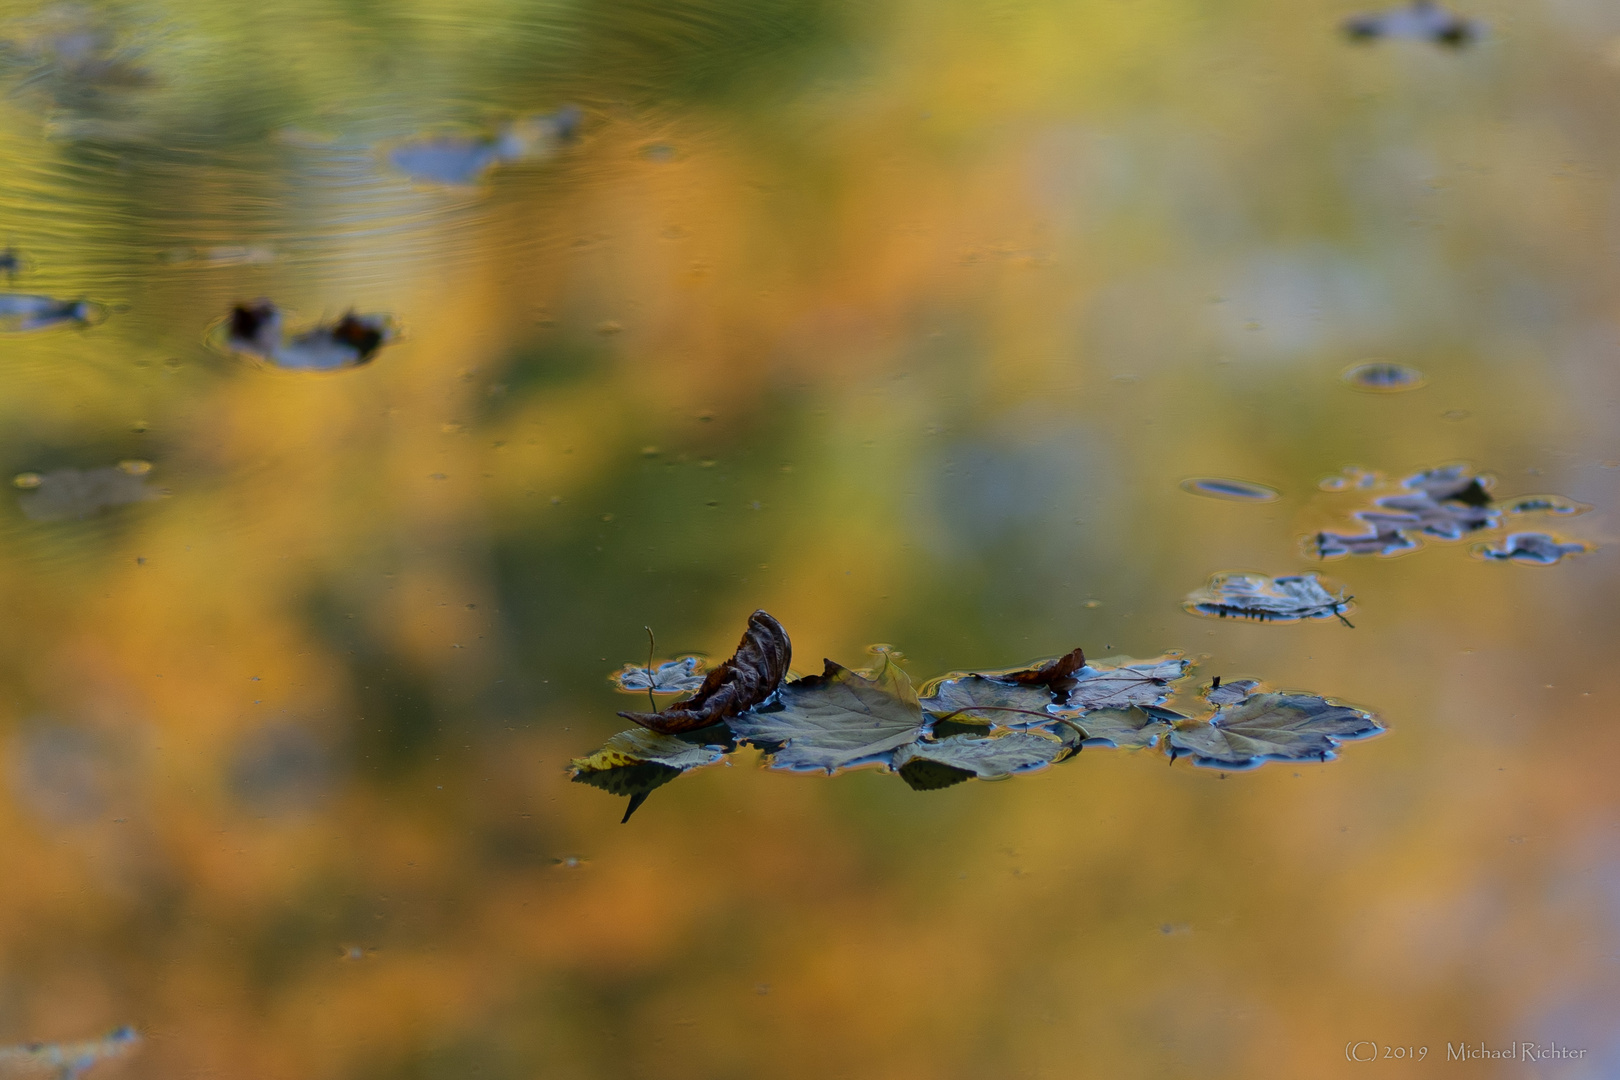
(1218, 487)
(1421, 20)
(1383, 377)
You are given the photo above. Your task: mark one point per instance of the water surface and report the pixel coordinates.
(901, 321)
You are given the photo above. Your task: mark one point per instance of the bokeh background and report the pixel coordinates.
(903, 321)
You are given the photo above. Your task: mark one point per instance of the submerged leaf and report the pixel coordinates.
(746, 680)
(1123, 685)
(672, 677)
(987, 759)
(1264, 599)
(836, 719)
(1529, 547)
(67, 494)
(1282, 727)
(637, 761)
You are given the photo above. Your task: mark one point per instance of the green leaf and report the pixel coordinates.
(1123, 728)
(638, 761)
(1279, 727)
(836, 719)
(987, 759)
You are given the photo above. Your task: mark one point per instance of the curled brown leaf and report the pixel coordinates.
(1056, 675)
(751, 675)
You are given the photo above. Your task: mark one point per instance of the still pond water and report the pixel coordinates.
(985, 330)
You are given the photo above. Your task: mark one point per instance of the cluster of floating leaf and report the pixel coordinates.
(982, 725)
(1446, 503)
(67, 1061)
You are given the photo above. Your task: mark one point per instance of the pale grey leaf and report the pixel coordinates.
(671, 677)
(1255, 596)
(1271, 727)
(1124, 684)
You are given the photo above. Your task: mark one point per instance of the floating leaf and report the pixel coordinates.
(1005, 698)
(928, 765)
(1123, 685)
(836, 719)
(672, 677)
(1382, 377)
(21, 312)
(1388, 542)
(637, 761)
(1546, 504)
(1282, 727)
(976, 698)
(1217, 487)
(1230, 693)
(463, 159)
(1124, 728)
(1255, 596)
(351, 341)
(257, 329)
(1421, 20)
(1530, 547)
(981, 725)
(747, 679)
